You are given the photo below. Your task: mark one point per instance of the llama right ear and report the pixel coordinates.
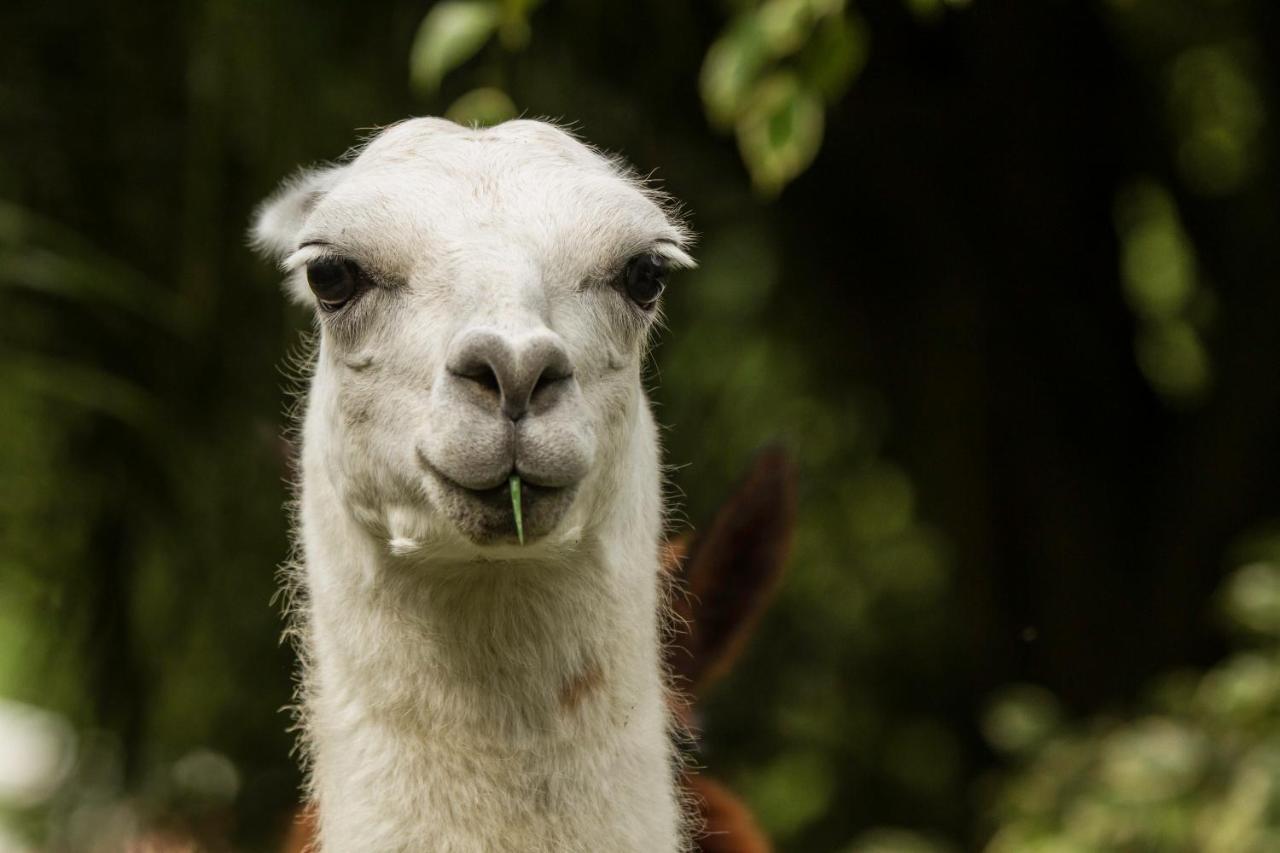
(278, 221)
(731, 571)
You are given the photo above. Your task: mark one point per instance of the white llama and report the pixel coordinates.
(484, 299)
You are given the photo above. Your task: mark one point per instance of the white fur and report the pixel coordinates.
(463, 692)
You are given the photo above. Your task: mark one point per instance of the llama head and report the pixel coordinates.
(484, 299)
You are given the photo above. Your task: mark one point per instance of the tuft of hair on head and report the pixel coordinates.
(727, 575)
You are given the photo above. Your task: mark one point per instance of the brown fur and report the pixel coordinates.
(302, 831)
(729, 826)
(580, 686)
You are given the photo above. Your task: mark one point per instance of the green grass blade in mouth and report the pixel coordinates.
(515, 506)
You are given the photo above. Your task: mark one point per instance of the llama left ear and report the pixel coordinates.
(278, 221)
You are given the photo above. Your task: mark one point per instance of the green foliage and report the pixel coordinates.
(1194, 768)
(1162, 286)
(767, 77)
(780, 133)
(932, 10)
(451, 33)
(454, 31)
(898, 841)
(750, 84)
(483, 107)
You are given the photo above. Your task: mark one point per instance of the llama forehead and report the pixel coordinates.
(409, 139)
(428, 191)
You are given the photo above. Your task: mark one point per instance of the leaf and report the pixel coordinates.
(785, 24)
(781, 132)
(925, 10)
(513, 29)
(834, 56)
(730, 71)
(482, 107)
(450, 34)
(931, 11)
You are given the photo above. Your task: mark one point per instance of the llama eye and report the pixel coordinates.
(645, 278)
(334, 281)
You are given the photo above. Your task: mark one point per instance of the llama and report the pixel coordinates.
(481, 673)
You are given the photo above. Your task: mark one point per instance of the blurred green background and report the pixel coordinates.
(1002, 275)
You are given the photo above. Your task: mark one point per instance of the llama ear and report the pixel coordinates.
(278, 221)
(732, 571)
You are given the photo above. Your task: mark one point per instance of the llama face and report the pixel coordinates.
(484, 299)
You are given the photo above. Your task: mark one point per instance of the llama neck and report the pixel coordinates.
(475, 706)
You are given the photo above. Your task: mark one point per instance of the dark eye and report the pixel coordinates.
(645, 277)
(334, 281)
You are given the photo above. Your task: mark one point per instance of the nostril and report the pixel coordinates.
(549, 377)
(477, 369)
(485, 378)
(549, 387)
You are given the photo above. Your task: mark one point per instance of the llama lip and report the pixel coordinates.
(485, 515)
(500, 496)
(499, 484)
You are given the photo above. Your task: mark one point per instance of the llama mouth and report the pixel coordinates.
(499, 497)
(486, 515)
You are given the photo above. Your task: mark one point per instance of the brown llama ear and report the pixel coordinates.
(728, 826)
(301, 834)
(732, 571)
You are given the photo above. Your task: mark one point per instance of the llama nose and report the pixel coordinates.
(520, 374)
